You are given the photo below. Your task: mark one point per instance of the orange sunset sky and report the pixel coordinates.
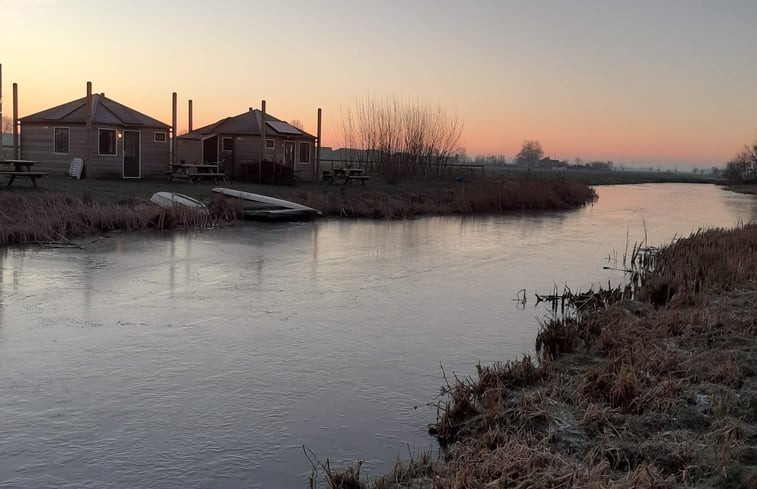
(665, 82)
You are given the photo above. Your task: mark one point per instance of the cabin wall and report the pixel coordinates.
(37, 144)
(155, 154)
(189, 151)
(247, 149)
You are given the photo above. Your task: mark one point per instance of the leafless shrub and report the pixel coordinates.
(399, 138)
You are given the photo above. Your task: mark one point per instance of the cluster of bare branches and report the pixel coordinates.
(398, 138)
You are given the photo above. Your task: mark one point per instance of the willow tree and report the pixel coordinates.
(397, 138)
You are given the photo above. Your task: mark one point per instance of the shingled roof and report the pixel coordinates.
(247, 123)
(104, 111)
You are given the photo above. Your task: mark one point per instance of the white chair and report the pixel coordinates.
(76, 168)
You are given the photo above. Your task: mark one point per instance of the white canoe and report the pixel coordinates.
(264, 199)
(172, 199)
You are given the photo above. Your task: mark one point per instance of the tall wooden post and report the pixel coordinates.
(172, 157)
(16, 152)
(190, 115)
(88, 120)
(1, 103)
(318, 148)
(262, 140)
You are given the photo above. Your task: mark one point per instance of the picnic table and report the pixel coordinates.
(195, 172)
(21, 168)
(344, 175)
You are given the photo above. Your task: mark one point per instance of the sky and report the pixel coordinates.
(670, 83)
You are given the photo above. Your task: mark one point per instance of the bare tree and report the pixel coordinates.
(6, 125)
(530, 153)
(743, 168)
(297, 123)
(399, 138)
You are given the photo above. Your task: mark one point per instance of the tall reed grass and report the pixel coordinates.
(487, 196)
(51, 217)
(657, 391)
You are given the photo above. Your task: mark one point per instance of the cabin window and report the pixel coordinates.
(304, 152)
(270, 143)
(61, 137)
(106, 145)
(160, 137)
(227, 144)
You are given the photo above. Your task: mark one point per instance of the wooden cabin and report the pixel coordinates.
(242, 141)
(115, 141)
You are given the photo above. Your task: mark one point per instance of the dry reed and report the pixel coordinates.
(52, 217)
(625, 394)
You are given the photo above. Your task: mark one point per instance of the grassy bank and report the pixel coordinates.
(63, 208)
(654, 391)
(743, 189)
(613, 177)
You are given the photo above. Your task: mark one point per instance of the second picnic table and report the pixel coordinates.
(21, 168)
(345, 175)
(195, 172)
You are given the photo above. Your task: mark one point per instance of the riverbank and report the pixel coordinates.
(743, 189)
(655, 392)
(65, 208)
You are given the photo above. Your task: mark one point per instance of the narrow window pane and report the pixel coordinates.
(61, 140)
(227, 144)
(304, 152)
(107, 142)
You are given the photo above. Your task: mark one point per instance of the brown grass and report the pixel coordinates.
(483, 197)
(625, 395)
(51, 217)
(28, 216)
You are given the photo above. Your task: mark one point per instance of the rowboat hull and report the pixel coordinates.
(269, 207)
(173, 199)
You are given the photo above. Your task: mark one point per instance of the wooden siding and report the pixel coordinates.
(189, 150)
(248, 149)
(37, 144)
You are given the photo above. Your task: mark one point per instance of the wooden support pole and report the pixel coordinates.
(262, 140)
(190, 115)
(16, 151)
(172, 157)
(88, 119)
(318, 148)
(1, 100)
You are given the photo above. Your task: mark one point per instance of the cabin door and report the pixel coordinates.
(132, 155)
(210, 150)
(289, 153)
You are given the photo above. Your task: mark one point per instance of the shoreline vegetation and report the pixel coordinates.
(78, 208)
(65, 208)
(650, 385)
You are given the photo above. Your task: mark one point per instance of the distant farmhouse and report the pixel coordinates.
(113, 140)
(244, 140)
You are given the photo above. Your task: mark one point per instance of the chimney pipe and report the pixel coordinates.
(172, 157)
(190, 115)
(16, 151)
(88, 119)
(318, 147)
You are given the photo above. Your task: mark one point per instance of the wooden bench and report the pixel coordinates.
(31, 175)
(350, 178)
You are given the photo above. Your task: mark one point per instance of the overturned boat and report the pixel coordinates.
(262, 207)
(173, 199)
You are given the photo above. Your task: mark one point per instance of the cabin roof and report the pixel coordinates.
(104, 111)
(247, 123)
